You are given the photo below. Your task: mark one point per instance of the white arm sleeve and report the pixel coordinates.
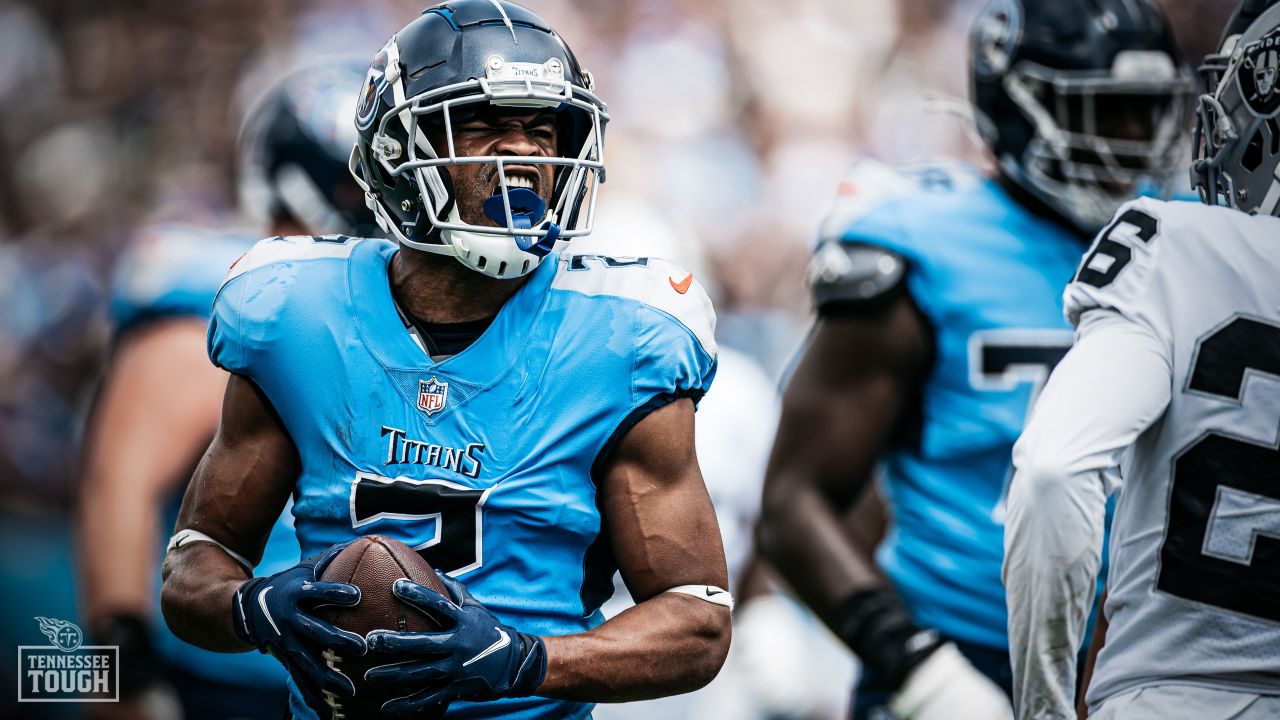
(1113, 384)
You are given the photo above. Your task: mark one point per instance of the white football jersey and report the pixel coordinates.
(1194, 590)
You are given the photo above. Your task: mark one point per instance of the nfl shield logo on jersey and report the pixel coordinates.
(432, 395)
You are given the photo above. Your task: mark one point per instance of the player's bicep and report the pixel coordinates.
(656, 508)
(847, 395)
(246, 475)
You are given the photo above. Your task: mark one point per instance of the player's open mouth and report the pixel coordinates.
(527, 179)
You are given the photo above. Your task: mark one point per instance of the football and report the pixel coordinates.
(373, 563)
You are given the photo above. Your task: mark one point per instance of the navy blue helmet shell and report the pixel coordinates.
(459, 57)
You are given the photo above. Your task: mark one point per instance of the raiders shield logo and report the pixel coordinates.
(432, 395)
(1259, 74)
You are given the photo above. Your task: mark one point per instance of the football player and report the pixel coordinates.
(160, 399)
(939, 317)
(1174, 380)
(523, 418)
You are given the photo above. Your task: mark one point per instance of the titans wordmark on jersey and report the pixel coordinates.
(173, 271)
(1194, 594)
(484, 462)
(987, 275)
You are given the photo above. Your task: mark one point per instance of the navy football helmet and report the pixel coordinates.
(1081, 101)
(294, 147)
(1237, 136)
(459, 57)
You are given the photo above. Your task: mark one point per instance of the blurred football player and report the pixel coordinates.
(160, 400)
(523, 418)
(1174, 380)
(938, 294)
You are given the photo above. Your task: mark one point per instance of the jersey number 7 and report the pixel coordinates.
(443, 521)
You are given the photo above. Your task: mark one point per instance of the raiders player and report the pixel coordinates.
(1174, 380)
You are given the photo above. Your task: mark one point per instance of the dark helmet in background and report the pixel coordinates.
(294, 146)
(453, 60)
(1081, 101)
(1237, 136)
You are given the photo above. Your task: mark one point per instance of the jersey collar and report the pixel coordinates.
(384, 335)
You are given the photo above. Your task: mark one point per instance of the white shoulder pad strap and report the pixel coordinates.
(297, 247)
(660, 284)
(187, 536)
(710, 593)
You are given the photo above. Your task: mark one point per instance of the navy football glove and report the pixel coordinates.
(476, 657)
(271, 613)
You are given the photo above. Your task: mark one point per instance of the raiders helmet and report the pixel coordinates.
(1081, 101)
(459, 57)
(1237, 135)
(293, 148)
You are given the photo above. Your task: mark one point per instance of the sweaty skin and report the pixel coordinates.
(854, 382)
(498, 133)
(654, 503)
(439, 289)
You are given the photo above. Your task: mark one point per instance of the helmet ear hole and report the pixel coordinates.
(1251, 159)
(386, 179)
(1274, 128)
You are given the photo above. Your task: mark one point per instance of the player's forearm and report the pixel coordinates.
(667, 645)
(117, 548)
(200, 580)
(804, 539)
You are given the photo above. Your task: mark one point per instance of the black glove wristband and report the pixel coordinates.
(878, 629)
(132, 635)
(533, 666)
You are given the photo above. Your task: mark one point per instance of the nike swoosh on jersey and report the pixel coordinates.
(681, 287)
(502, 642)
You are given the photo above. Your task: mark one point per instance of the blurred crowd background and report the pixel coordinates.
(732, 121)
(731, 124)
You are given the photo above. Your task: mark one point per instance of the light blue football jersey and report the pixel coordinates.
(987, 275)
(174, 271)
(484, 462)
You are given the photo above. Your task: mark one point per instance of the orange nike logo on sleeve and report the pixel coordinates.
(681, 287)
